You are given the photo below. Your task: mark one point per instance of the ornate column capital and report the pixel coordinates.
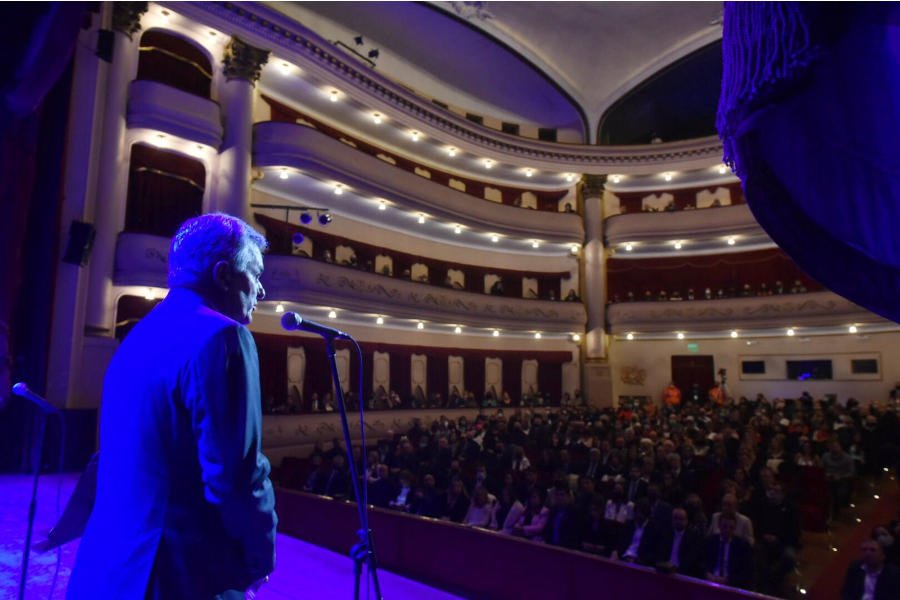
(126, 17)
(243, 61)
(592, 186)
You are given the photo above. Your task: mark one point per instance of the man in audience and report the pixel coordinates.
(871, 578)
(563, 524)
(338, 481)
(839, 471)
(743, 525)
(637, 539)
(680, 547)
(728, 559)
(779, 537)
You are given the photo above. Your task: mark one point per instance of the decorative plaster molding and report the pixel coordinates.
(816, 309)
(633, 375)
(592, 186)
(270, 29)
(126, 17)
(243, 61)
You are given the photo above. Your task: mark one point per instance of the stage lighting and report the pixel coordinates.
(305, 218)
(373, 54)
(297, 238)
(324, 219)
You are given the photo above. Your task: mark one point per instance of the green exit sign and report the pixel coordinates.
(693, 347)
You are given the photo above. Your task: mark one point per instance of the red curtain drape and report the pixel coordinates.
(473, 374)
(164, 190)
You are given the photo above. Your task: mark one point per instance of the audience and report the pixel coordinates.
(638, 484)
(871, 578)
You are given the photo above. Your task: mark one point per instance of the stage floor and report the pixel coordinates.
(303, 570)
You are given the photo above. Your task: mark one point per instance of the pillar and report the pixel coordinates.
(596, 374)
(241, 69)
(112, 178)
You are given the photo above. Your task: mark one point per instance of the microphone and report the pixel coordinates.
(292, 321)
(20, 389)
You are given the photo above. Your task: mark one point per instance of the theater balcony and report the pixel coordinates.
(141, 260)
(160, 107)
(331, 162)
(757, 315)
(703, 231)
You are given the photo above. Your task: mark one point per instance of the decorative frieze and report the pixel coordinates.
(126, 17)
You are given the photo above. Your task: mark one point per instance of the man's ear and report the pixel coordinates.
(221, 275)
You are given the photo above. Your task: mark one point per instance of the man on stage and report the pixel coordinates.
(184, 506)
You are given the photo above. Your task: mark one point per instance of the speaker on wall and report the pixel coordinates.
(79, 244)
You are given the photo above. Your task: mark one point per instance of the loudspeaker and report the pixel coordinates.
(105, 39)
(79, 244)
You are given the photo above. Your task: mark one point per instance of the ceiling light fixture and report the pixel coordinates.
(576, 337)
(382, 205)
(421, 219)
(537, 335)
(722, 169)
(334, 95)
(734, 333)
(574, 249)
(457, 230)
(451, 151)
(667, 177)
(332, 314)
(379, 321)
(852, 329)
(731, 241)
(680, 335)
(570, 177)
(630, 336)
(377, 118)
(495, 238)
(678, 245)
(790, 332)
(279, 308)
(457, 329)
(283, 174)
(535, 244)
(496, 333)
(338, 189)
(488, 163)
(616, 179)
(420, 325)
(529, 172)
(629, 247)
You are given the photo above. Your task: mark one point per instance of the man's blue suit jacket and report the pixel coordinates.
(184, 506)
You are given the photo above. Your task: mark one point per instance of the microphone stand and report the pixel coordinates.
(364, 551)
(46, 409)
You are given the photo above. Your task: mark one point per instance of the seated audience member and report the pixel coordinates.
(617, 507)
(533, 521)
(637, 539)
(636, 486)
(338, 480)
(693, 504)
(680, 547)
(404, 497)
(482, 509)
(596, 535)
(727, 558)
(381, 488)
(427, 501)
(456, 502)
(839, 471)
(743, 525)
(871, 578)
(563, 522)
(509, 509)
(779, 537)
(318, 477)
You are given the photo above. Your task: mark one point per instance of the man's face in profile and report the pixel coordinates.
(244, 289)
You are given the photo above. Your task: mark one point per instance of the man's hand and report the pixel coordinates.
(251, 591)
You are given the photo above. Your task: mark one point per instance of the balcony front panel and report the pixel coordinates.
(703, 231)
(288, 145)
(297, 279)
(817, 309)
(157, 106)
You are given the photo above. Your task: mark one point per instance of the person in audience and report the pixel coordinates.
(427, 501)
(839, 472)
(381, 488)
(618, 509)
(563, 522)
(871, 578)
(509, 509)
(679, 547)
(778, 532)
(533, 521)
(404, 498)
(455, 502)
(318, 476)
(743, 525)
(637, 539)
(482, 510)
(338, 481)
(728, 558)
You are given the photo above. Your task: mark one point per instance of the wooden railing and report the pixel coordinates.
(475, 563)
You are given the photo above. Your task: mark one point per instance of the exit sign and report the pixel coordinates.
(693, 347)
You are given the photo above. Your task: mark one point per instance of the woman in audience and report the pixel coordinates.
(533, 521)
(618, 508)
(482, 510)
(509, 509)
(456, 502)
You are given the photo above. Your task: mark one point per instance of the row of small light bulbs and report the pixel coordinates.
(339, 188)
(789, 332)
(335, 95)
(378, 118)
(679, 244)
(420, 325)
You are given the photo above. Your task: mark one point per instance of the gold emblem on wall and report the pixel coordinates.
(633, 375)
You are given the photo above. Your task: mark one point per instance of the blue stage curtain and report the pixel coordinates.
(810, 116)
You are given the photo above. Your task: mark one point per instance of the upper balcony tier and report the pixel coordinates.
(750, 315)
(141, 260)
(707, 231)
(330, 162)
(324, 67)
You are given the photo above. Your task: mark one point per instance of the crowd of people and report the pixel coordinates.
(704, 489)
(708, 293)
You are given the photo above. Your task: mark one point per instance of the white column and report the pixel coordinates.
(241, 69)
(596, 381)
(112, 181)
